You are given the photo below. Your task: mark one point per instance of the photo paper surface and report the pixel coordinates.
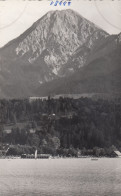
(60, 97)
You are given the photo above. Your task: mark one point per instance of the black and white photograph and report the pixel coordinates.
(60, 97)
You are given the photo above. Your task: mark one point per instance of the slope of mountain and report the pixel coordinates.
(55, 46)
(100, 75)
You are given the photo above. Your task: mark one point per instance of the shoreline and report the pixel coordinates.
(81, 157)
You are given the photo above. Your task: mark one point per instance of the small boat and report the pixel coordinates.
(36, 154)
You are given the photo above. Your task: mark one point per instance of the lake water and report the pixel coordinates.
(60, 177)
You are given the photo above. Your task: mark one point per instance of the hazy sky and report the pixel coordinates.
(18, 15)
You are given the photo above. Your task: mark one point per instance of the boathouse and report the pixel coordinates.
(118, 154)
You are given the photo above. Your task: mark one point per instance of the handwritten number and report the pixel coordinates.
(64, 3)
(69, 3)
(56, 3)
(51, 3)
(60, 3)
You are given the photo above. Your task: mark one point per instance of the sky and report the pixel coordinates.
(16, 16)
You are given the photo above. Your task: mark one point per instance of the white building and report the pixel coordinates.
(117, 153)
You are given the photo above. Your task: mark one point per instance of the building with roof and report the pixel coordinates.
(118, 154)
(32, 156)
(7, 131)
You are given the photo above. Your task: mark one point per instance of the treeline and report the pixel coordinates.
(59, 125)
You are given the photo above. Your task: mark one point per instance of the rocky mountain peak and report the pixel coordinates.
(60, 33)
(55, 46)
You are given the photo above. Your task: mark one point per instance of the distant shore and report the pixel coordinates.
(80, 157)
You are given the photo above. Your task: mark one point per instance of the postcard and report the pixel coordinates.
(60, 97)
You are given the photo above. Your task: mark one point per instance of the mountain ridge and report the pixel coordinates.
(101, 74)
(56, 46)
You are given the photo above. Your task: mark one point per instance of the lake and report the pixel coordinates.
(60, 177)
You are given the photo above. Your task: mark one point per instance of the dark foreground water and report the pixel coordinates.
(60, 177)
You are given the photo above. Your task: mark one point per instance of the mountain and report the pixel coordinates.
(101, 75)
(54, 48)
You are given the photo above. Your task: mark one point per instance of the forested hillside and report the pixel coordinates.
(60, 126)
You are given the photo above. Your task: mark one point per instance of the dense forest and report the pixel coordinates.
(63, 126)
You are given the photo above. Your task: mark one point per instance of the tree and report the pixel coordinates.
(33, 140)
